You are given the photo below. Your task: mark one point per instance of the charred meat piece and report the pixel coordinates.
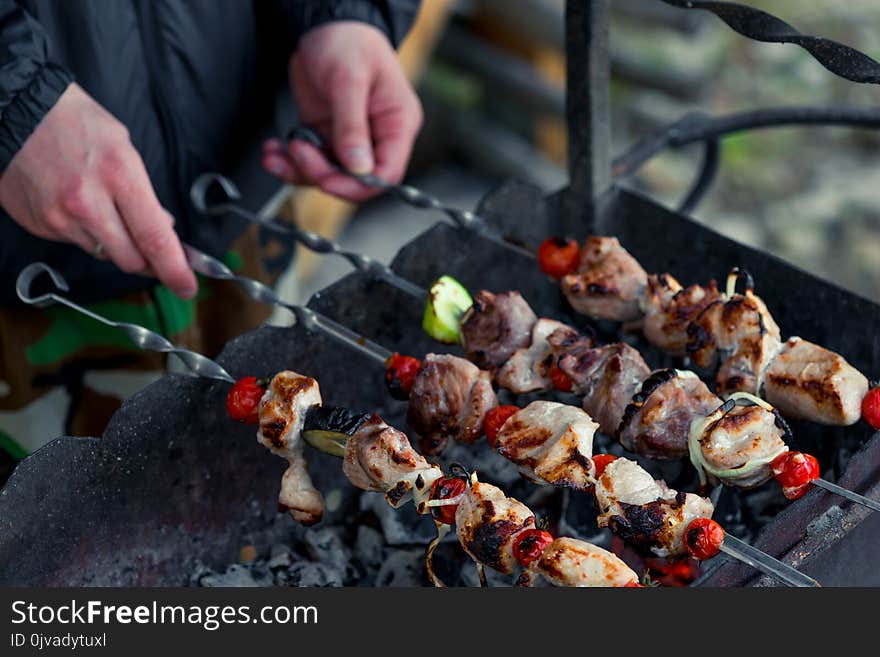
(742, 443)
(657, 421)
(528, 369)
(449, 399)
(570, 562)
(644, 511)
(810, 382)
(669, 309)
(487, 521)
(495, 327)
(551, 443)
(380, 458)
(742, 335)
(607, 377)
(609, 282)
(282, 412)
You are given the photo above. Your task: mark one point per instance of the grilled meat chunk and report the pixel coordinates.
(609, 282)
(657, 422)
(487, 521)
(645, 511)
(449, 399)
(551, 443)
(495, 327)
(741, 333)
(282, 413)
(742, 443)
(810, 382)
(669, 309)
(528, 369)
(607, 378)
(380, 458)
(570, 562)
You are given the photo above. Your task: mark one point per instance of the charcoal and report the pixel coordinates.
(369, 547)
(238, 575)
(470, 577)
(280, 557)
(308, 573)
(401, 526)
(326, 546)
(403, 568)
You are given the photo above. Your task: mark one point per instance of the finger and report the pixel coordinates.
(280, 166)
(152, 229)
(314, 167)
(349, 97)
(395, 133)
(84, 240)
(108, 230)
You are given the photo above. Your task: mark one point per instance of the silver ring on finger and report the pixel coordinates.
(98, 251)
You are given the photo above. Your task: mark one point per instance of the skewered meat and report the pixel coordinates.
(449, 399)
(657, 422)
(487, 521)
(570, 562)
(741, 334)
(607, 377)
(282, 413)
(609, 282)
(739, 447)
(380, 458)
(496, 326)
(645, 511)
(669, 309)
(528, 369)
(813, 383)
(551, 443)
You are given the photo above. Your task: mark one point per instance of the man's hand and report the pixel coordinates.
(348, 84)
(79, 179)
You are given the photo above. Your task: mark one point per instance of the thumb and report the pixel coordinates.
(351, 126)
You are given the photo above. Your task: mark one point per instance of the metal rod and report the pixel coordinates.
(848, 494)
(417, 198)
(762, 561)
(212, 268)
(143, 338)
(199, 195)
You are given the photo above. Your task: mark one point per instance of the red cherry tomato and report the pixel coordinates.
(243, 400)
(494, 420)
(530, 544)
(558, 256)
(703, 538)
(601, 461)
(560, 379)
(445, 488)
(400, 375)
(794, 471)
(633, 585)
(871, 408)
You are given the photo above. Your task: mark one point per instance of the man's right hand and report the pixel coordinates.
(79, 179)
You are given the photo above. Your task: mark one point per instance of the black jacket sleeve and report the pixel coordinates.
(29, 83)
(393, 17)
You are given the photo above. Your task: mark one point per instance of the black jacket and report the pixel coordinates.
(193, 80)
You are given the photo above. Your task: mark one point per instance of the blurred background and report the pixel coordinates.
(491, 76)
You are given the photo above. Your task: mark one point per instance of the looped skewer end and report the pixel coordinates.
(25, 280)
(209, 183)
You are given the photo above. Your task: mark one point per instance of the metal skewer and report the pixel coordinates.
(213, 268)
(413, 196)
(848, 494)
(143, 338)
(199, 195)
(762, 561)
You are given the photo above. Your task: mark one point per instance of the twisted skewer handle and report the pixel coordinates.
(212, 268)
(406, 193)
(200, 194)
(143, 338)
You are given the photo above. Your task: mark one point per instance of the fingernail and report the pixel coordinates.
(187, 291)
(360, 159)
